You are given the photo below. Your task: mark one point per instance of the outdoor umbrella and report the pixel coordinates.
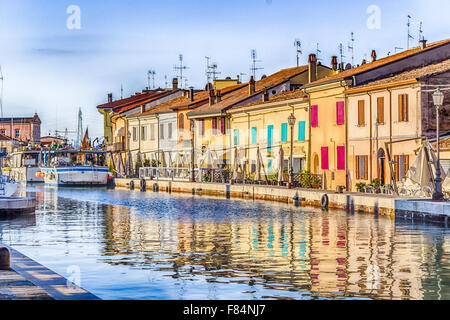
(281, 165)
(258, 165)
(236, 164)
(420, 171)
(129, 164)
(433, 158)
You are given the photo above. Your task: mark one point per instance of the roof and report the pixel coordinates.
(135, 100)
(21, 119)
(285, 96)
(405, 77)
(242, 94)
(376, 64)
(185, 102)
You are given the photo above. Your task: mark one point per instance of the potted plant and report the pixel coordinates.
(360, 187)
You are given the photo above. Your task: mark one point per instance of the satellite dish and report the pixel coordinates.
(348, 66)
(263, 77)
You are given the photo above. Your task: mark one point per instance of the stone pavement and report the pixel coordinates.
(15, 287)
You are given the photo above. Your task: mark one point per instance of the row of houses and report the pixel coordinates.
(346, 119)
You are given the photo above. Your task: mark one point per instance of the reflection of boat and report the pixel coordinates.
(8, 187)
(74, 168)
(23, 166)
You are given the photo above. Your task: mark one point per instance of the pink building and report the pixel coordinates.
(23, 129)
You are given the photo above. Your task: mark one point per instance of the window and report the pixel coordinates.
(17, 133)
(401, 167)
(134, 133)
(301, 130)
(222, 125)
(362, 167)
(284, 129)
(3, 131)
(254, 135)
(169, 128)
(269, 138)
(403, 107)
(161, 131)
(361, 107)
(181, 122)
(314, 116)
(201, 127)
(341, 158)
(144, 133)
(214, 126)
(380, 110)
(152, 131)
(340, 113)
(325, 165)
(236, 137)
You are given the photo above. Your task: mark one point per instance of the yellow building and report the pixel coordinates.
(264, 125)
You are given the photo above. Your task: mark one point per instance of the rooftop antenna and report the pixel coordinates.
(341, 52)
(241, 78)
(121, 91)
(298, 49)
(420, 32)
(151, 75)
(180, 68)
(211, 71)
(352, 48)
(1, 91)
(165, 81)
(254, 68)
(318, 51)
(409, 35)
(208, 75)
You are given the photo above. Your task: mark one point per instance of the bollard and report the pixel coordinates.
(4, 259)
(143, 185)
(131, 185)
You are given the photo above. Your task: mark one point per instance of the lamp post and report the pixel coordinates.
(192, 178)
(438, 100)
(291, 122)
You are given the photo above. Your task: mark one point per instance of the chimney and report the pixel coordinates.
(191, 94)
(218, 96)
(251, 86)
(374, 56)
(110, 97)
(312, 61)
(265, 95)
(341, 67)
(175, 84)
(363, 62)
(211, 97)
(334, 63)
(238, 79)
(423, 43)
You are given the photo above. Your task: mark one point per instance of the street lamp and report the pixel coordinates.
(438, 100)
(291, 122)
(192, 178)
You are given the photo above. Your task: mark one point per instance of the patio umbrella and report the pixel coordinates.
(258, 165)
(129, 164)
(433, 158)
(208, 161)
(162, 159)
(236, 164)
(420, 171)
(281, 165)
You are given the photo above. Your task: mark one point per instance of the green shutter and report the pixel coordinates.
(254, 135)
(269, 138)
(236, 137)
(301, 130)
(284, 130)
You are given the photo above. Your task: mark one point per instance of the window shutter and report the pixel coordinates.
(314, 116)
(269, 138)
(284, 132)
(366, 167)
(254, 135)
(325, 165)
(301, 131)
(401, 112)
(361, 120)
(214, 124)
(405, 107)
(406, 164)
(380, 110)
(341, 158)
(396, 167)
(222, 125)
(340, 112)
(358, 176)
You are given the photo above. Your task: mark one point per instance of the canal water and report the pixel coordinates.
(130, 245)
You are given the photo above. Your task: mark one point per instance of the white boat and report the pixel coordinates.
(8, 188)
(74, 168)
(23, 167)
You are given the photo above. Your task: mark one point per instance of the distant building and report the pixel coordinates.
(8, 145)
(47, 141)
(23, 129)
(220, 84)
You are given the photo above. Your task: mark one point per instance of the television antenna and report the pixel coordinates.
(420, 32)
(341, 52)
(165, 81)
(352, 47)
(409, 35)
(1, 91)
(180, 68)
(151, 75)
(318, 51)
(254, 68)
(298, 49)
(211, 70)
(121, 91)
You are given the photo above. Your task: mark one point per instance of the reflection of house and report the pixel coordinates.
(389, 110)
(23, 129)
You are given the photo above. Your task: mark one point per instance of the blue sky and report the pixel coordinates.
(54, 71)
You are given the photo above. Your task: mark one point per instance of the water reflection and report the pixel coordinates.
(181, 247)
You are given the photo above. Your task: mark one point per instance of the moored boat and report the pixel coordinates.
(24, 167)
(74, 168)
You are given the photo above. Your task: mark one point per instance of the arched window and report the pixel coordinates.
(181, 122)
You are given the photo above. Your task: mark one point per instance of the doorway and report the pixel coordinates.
(381, 157)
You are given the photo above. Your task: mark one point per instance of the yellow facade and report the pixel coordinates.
(144, 135)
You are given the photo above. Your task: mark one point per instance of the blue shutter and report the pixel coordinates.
(301, 131)
(284, 128)
(269, 138)
(254, 135)
(236, 137)
(269, 166)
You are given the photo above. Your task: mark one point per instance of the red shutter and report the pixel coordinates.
(314, 116)
(340, 112)
(325, 158)
(341, 158)
(222, 125)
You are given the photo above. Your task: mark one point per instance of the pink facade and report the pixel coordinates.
(23, 129)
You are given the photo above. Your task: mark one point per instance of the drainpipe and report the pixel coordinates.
(347, 185)
(370, 139)
(308, 166)
(390, 124)
(159, 135)
(248, 142)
